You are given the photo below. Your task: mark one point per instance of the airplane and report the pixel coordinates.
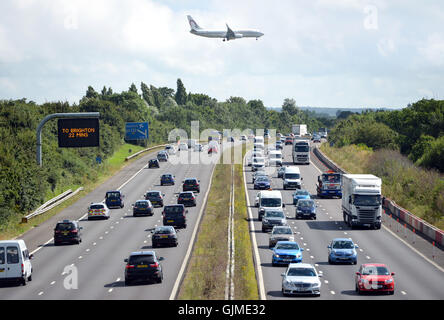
(225, 35)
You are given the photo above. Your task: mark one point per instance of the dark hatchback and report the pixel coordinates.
(153, 163)
(114, 199)
(262, 183)
(143, 266)
(175, 215)
(167, 179)
(67, 231)
(143, 207)
(191, 184)
(155, 197)
(165, 235)
(187, 198)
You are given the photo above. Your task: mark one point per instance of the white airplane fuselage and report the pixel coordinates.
(223, 34)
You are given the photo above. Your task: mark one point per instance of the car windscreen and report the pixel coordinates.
(302, 193)
(287, 246)
(97, 206)
(186, 195)
(343, 245)
(141, 204)
(282, 231)
(292, 176)
(301, 272)
(173, 210)
(190, 181)
(271, 202)
(164, 230)
(276, 156)
(305, 204)
(141, 259)
(274, 214)
(65, 226)
(262, 179)
(153, 194)
(375, 270)
(113, 195)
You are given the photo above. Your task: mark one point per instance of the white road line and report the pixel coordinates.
(332, 292)
(52, 283)
(367, 257)
(40, 293)
(403, 292)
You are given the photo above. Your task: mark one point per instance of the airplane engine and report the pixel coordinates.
(237, 35)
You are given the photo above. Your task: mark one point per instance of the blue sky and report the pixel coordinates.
(322, 53)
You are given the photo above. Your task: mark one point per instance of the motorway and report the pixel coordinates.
(97, 263)
(415, 278)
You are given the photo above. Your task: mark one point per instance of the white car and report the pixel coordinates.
(183, 147)
(170, 149)
(98, 210)
(301, 279)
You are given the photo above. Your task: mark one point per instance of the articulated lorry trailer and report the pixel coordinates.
(299, 130)
(361, 200)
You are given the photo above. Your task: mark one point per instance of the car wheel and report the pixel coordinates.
(154, 245)
(392, 292)
(24, 281)
(357, 289)
(30, 278)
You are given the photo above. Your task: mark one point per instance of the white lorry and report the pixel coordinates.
(361, 200)
(299, 130)
(301, 151)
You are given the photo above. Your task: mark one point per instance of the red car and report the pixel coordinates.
(374, 277)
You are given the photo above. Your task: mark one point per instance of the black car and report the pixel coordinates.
(114, 199)
(262, 183)
(167, 179)
(142, 266)
(143, 207)
(153, 163)
(67, 231)
(175, 215)
(191, 184)
(165, 235)
(155, 197)
(187, 198)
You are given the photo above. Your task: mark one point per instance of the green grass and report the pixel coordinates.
(14, 226)
(206, 272)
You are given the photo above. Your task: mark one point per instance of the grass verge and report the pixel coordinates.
(14, 226)
(206, 273)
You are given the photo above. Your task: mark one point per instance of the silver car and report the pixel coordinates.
(280, 233)
(273, 217)
(301, 279)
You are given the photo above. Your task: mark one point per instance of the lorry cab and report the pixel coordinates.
(15, 264)
(114, 199)
(329, 184)
(301, 151)
(361, 200)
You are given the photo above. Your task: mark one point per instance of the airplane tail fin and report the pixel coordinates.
(193, 23)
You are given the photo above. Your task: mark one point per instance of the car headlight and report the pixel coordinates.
(388, 281)
(276, 256)
(364, 281)
(298, 255)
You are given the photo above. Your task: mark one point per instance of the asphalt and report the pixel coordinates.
(415, 277)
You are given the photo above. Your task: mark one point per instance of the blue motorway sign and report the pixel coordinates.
(136, 131)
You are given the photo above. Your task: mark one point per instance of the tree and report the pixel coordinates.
(181, 94)
(133, 88)
(289, 106)
(91, 93)
(147, 94)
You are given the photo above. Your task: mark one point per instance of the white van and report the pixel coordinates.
(269, 200)
(275, 158)
(259, 139)
(15, 264)
(292, 178)
(258, 146)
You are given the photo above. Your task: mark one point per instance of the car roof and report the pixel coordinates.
(97, 203)
(271, 194)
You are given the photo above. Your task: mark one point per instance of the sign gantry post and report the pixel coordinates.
(76, 130)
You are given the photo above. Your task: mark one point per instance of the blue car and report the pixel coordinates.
(300, 194)
(342, 250)
(167, 179)
(306, 209)
(262, 183)
(286, 252)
